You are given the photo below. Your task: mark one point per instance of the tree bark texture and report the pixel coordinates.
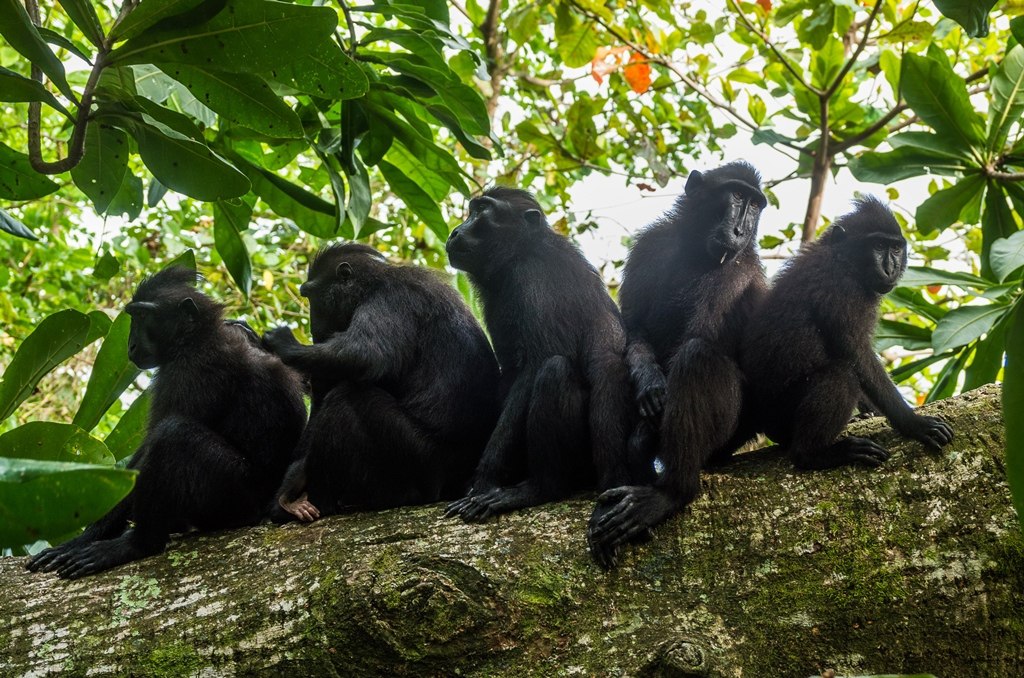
(914, 567)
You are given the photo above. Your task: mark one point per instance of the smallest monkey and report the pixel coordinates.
(807, 351)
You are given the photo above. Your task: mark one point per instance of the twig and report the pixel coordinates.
(775, 50)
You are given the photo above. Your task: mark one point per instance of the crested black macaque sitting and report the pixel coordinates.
(807, 351)
(560, 343)
(223, 424)
(691, 281)
(405, 388)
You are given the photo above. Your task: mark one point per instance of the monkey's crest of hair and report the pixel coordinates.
(166, 283)
(518, 199)
(340, 250)
(869, 215)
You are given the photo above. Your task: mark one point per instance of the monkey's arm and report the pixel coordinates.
(649, 382)
(880, 389)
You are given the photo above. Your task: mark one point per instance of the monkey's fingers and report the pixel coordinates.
(613, 495)
(604, 555)
(477, 512)
(456, 507)
(616, 512)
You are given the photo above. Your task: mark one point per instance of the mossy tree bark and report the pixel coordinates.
(915, 567)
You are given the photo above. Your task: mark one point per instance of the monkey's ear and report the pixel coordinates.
(188, 307)
(535, 218)
(344, 270)
(838, 233)
(694, 182)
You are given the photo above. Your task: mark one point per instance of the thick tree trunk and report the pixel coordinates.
(915, 567)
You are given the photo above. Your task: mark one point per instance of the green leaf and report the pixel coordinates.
(54, 38)
(465, 102)
(923, 276)
(1007, 98)
(248, 36)
(84, 16)
(523, 22)
(945, 383)
(155, 193)
(997, 223)
(311, 213)
(241, 98)
(111, 374)
(52, 441)
(21, 34)
(1013, 405)
(576, 41)
(325, 72)
(1017, 29)
(101, 171)
(187, 166)
(148, 13)
(16, 87)
(433, 184)
(18, 181)
(891, 333)
(55, 339)
(965, 324)
(186, 259)
(49, 499)
(939, 97)
(15, 227)
(1007, 255)
(130, 430)
(932, 143)
(106, 266)
(971, 14)
(127, 201)
(359, 197)
(229, 221)
(944, 207)
(907, 370)
(415, 198)
(988, 357)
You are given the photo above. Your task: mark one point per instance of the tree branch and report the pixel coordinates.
(775, 50)
(856, 53)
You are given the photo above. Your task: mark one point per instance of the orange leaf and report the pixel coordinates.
(638, 73)
(601, 65)
(766, 5)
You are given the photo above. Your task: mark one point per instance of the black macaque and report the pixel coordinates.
(807, 350)
(223, 424)
(405, 388)
(691, 281)
(560, 343)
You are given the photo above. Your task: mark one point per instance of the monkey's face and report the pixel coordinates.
(738, 206)
(156, 328)
(883, 259)
(334, 292)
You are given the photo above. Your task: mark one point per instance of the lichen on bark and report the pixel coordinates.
(914, 567)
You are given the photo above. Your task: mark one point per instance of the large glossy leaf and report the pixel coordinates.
(325, 72)
(127, 202)
(249, 36)
(21, 34)
(943, 208)
(55, 339)
(311, 213)
(1013, 405)
(357, 208)
(18, 181)
(230, 219)
(84, 15)
(111, 374)
(415, 199)
(432, 183)
(101, 171)
(1007, 255)
(241, 98)
(187, 166)
(130, 430)
(48, 499)
(923, 276)
(16, 87)
(988, 357)
(997, 222)
(1007, 98)
(965, 324)
(891, 333)
(52, 441)
(148, 13)
(432, 156)
(11, 225)
(971, 14)
(931, 142)
(939, 97)
(465, 102)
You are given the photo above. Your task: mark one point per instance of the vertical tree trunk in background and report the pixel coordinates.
(819, 180)
(914, 567)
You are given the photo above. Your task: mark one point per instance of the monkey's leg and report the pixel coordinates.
(190, 477)
(821, 415)
(556, 441)
(701, 417)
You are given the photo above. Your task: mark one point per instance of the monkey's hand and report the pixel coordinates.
(301, 508)
(932, 431)
(623, 515)
(650, 386)
(282, 342)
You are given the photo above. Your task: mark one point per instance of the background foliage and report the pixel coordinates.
(249, 131)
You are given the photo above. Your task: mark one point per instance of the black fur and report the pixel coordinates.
(404, 387)
(807, 351)
(560, 342)
(690, 284)
(224, 420)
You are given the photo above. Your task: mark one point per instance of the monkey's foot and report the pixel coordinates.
(932, 431)
(477, 508)
(849, 450)
(301, 508)
(50, 559)
(103, 555)
(623, 515)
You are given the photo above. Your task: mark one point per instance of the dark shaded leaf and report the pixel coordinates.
(21, 34)
(1007, 98)
(971, 14)
(415, 198)
(148, 13)
(325, 72)
(128, 200)
(988, 357)
(229, 221)
(84, 16)
(891, 333)
(923, 276)
(939, 97)
(155, 193)
(106, 266)
(1007, 255)
(11, 225)
(52, 441)
(111, 374)
(18, 181)
(130, 430)
(16, 87)
(101, 171)
(357, 208)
